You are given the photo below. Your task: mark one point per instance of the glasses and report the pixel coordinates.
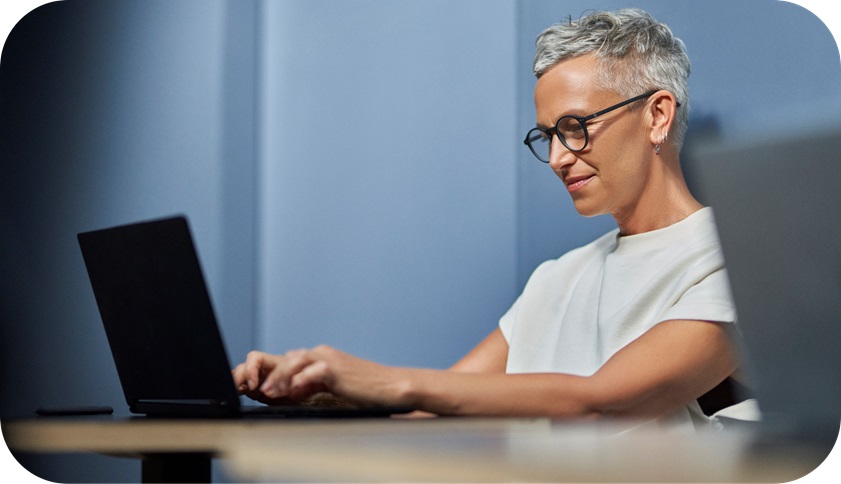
(571, 130)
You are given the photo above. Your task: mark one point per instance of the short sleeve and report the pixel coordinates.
(708, 300)
(506, 322)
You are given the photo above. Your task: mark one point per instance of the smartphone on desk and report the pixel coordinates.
(74, 411)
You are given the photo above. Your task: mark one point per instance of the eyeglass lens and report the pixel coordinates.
(572, 132)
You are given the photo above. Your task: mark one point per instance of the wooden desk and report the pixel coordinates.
(170, 450)
(448, 449)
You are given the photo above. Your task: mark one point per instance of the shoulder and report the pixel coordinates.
(701, 240)
(699, 229)
(575, 258)
(691, 239)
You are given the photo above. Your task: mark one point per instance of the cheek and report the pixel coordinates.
(621, 165)
(625, 147)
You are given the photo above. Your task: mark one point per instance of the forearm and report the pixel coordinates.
(666, 368)
(646, 379)
(496, 394)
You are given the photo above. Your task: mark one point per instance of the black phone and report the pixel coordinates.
(70, 411)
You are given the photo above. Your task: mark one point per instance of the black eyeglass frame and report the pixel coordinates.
(537, 133)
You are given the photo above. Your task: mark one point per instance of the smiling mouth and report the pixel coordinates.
(577, 183)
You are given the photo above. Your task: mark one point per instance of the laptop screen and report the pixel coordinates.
(157, 312)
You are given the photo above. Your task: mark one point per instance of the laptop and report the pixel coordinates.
(777, 205)
(162, 329)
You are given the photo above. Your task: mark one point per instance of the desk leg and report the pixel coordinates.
(176, 468)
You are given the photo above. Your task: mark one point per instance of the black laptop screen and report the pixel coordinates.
(157, 312)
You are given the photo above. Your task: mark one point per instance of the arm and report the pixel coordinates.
(489, 356)
(667, 367)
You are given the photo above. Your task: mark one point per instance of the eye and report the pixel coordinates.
(571, 128)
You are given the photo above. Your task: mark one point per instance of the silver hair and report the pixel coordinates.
(635, 54)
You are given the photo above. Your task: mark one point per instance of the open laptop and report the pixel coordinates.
(777, 204)
(162, 329)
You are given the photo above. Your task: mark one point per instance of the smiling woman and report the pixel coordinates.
(639, 323)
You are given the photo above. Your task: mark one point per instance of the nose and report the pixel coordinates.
(560, 157)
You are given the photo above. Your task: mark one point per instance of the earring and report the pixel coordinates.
(657, 146)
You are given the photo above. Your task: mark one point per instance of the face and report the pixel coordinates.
(609, 175)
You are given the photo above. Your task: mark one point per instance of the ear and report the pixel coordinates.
(661, 115)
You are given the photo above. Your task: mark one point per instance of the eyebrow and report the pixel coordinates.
(567, 113)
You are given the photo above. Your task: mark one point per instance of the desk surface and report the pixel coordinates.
(446, 449)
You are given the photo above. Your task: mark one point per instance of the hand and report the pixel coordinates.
(249, 376)
(299, 374)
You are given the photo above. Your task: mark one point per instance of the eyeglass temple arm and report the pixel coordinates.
(617, 106)
(623, 103)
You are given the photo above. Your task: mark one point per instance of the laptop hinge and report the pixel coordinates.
(200, 407)
(182, 401)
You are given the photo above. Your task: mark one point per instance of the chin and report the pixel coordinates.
(587, 210)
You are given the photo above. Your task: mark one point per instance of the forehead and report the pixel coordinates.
(566, 88)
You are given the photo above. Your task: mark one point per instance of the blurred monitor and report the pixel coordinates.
(777, 204)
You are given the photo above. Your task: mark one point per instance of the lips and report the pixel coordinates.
(575, 183)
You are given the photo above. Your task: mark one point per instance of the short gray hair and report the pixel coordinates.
(635, 54)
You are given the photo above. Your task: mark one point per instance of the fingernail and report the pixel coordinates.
(267, 389)
(273, 390)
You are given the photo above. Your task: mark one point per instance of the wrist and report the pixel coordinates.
(426, 390)
(405, 387)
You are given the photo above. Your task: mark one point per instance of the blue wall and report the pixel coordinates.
(113, 111)
(353, 170)
(386, 177)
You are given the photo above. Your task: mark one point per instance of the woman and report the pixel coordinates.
(638, 323)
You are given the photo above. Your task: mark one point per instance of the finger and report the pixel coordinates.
(238, 375)
(319, 376)
(256, 364)
(312, 379)
(276, 383)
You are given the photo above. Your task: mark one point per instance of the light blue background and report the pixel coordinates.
(353, 170)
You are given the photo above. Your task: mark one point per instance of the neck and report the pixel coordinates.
(666, 200)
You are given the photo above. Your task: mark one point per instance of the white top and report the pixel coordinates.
(577, 311)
